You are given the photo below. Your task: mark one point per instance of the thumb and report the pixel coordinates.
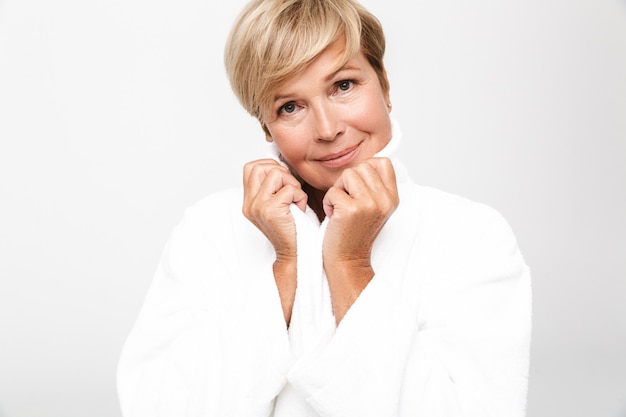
(300, 199)
(328, 203)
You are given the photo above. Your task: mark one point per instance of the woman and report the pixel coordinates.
(331, 285)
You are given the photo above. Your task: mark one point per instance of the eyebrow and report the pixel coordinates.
(329, 77)
(346, 67)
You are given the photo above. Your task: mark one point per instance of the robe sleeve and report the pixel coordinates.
(461, 350)
(210, 339)
(160, 369)
(472, 350)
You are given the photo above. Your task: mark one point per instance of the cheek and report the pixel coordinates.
(291, 145)
(372, 110)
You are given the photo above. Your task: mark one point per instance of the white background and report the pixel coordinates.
(115, 115)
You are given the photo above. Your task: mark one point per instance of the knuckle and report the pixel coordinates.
(387, 207)
(251, 167)
(349, 172)
(275, 172)
(385, 165)
(248, 165)
(290, 188)
(248, 212)
(370, 205)
(352, 210)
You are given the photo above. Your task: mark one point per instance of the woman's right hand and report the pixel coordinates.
(269, 190)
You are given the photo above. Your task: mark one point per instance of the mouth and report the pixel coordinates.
(340, 159)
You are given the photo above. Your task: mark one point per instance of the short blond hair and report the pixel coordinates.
(272, 40)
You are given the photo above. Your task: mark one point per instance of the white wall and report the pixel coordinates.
(116, 115)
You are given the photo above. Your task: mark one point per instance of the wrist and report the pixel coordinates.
(345, 263)
(285, 260)
(354, 274)
(285, 271)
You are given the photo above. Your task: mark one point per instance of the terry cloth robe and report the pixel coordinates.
(442, 330)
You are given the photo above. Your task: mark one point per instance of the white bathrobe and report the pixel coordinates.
(442, 330)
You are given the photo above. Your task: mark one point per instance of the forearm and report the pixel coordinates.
(285, 272)
(346, 281)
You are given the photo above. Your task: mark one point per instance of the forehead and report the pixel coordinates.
(324, 68)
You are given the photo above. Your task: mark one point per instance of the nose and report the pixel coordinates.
(327, 122)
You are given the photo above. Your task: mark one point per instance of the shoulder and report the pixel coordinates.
(212, 235)
(209, 221)
(457, 210)
(446, 210)
(217, 220)
(217, 205)
(217, 212)
(458, 226)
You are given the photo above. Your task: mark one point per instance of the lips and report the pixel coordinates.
(339, 159)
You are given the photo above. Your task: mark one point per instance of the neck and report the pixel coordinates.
(315, 200)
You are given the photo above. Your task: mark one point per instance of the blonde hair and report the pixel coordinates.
(273, 39)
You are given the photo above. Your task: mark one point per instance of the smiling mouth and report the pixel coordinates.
(340, 159)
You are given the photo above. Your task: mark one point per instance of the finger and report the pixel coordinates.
(384, 168)
(363, 186)
(353, 180)
(264, 181)
(270, 206)
(255, 172)
(380, 176)
(292, 194)
(274, 180)
(374, 186)
(348, 187)
(334, 197)
(252, 165)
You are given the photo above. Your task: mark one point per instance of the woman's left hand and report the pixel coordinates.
(358, 205)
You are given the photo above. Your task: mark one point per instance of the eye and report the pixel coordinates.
(344, 85)
(287, 108)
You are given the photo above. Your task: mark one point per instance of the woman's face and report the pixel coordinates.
(324, 121)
